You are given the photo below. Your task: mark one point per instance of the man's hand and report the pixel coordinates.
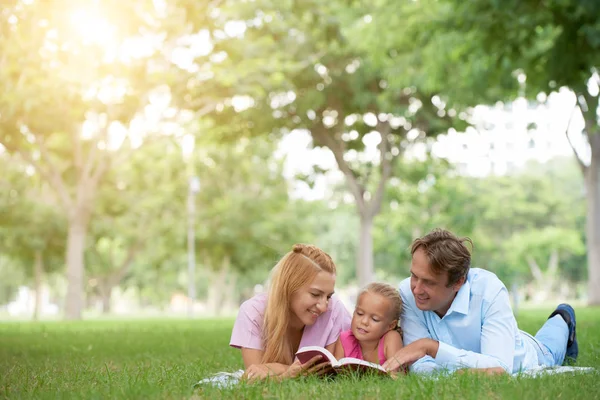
(411, 353)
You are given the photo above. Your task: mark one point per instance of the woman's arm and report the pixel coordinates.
(255, 369)
(251, 356)
(392, 343)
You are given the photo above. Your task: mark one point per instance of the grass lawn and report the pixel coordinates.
(164, 358)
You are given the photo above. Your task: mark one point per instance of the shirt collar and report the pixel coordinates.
(461, 301)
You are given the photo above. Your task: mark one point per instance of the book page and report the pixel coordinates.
(356, 361)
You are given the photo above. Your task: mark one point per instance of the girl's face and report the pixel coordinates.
(371, 318)
(308, 303)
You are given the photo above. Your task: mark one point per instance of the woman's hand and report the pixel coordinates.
(257, 372)
(311, 367)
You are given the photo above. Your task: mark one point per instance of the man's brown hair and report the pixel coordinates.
(446, 253)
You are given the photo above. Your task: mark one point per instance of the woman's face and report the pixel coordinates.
(310, 301)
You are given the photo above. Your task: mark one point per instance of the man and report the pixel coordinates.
(458, 317)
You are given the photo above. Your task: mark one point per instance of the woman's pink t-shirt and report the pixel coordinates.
(247, 330)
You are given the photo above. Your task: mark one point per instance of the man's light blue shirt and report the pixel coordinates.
(479, 329)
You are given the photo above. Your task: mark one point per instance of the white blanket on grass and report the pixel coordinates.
(222, 379)
(539, 371)
(229, 379)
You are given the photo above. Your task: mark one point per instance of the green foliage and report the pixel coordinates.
(349, 72)
(30, 220)
(531, 213)
(13, 276)
(555, 45)
(430, 195)
(526, 215)
(317, 76)
(243, 209)
(539, 244)
(299, 67)
(335, 231)
(139, 218)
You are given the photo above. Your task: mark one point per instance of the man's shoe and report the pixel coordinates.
(568, 314)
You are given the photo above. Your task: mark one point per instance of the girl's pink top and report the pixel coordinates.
(352, 347)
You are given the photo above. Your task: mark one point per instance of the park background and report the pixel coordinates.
(158, 157)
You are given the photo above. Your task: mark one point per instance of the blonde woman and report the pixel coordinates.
(298, 311)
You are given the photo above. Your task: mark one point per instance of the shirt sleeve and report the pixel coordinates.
(413, 328)
(247, 330)
(497, 340)
(340, 318)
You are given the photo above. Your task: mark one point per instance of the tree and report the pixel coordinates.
(138, 208)
(528, 225)
(32, 230)
(542, 251)
(430, 194)
(548, 46)
(300, 68)
(69, 90)
(245, 218)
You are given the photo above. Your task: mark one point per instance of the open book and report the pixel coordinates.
(343, 365)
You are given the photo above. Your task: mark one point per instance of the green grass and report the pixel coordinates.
(164, 358)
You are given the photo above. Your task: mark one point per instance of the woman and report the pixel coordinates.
(298, 311)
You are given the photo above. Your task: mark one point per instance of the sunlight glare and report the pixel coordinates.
(92, 28)
(187, 145)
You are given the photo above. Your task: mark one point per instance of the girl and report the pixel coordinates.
(374, 335)
(299, 310)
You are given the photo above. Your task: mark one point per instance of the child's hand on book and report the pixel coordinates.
(311, 367)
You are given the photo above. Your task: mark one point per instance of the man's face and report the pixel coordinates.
(431, 291)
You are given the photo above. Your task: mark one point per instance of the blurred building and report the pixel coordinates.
(506, 136)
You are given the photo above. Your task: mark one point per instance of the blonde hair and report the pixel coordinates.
(389, 292)
(296, 269)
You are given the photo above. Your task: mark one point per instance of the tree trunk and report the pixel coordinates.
(365, 251)
(38, 276)
(367, 207)
(229, 294)
(215, 290)
(588, 105)
(105, 288)
(106, 296)
(75, 265)
(592, 184)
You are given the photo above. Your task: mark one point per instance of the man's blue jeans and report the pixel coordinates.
(553, 337)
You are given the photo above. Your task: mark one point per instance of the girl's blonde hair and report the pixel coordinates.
(296, 269)
(389, 292)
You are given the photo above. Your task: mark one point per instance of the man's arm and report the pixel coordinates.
(497, 340)
(414, 329)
